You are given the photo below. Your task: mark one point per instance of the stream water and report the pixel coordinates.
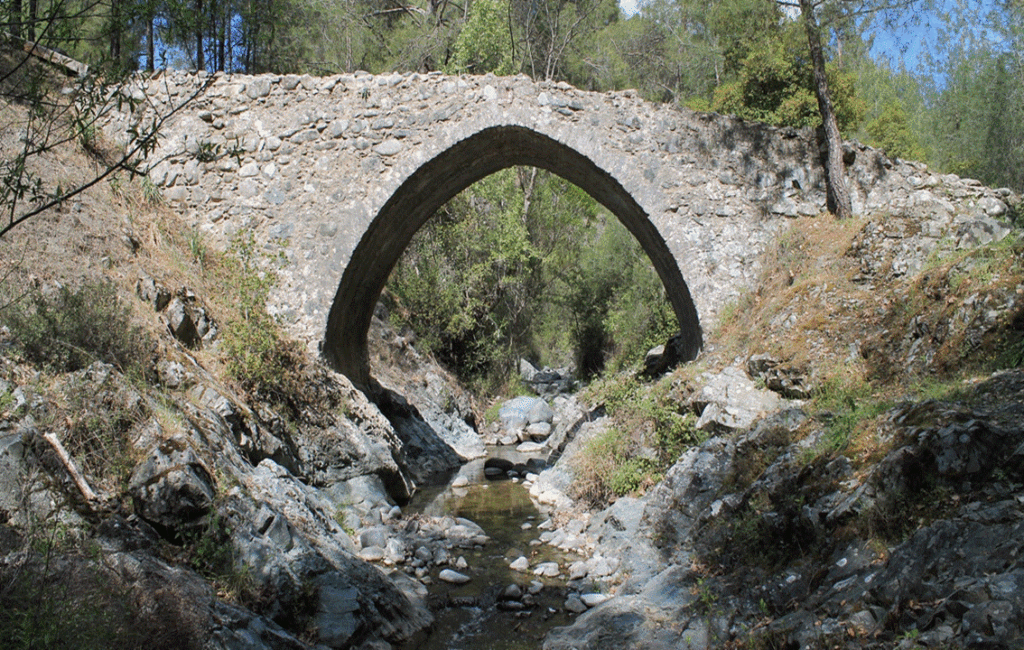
(477, 615)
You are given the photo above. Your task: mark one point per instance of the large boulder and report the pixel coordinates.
(730, 401)
(520, 412)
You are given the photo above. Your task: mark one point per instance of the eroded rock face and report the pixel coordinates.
(241, 493)
(730, 401)
(956, 580)
(172, 488)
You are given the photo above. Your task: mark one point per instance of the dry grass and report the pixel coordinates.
(813, 307)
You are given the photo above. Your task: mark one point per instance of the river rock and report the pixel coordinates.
(375, 536)
(593, 599)
(537, 431)
(453, 577)
(512, 592)
(547, 569)
(501, 464)
(574, 604)
(530, 447)
(520, 564)
(394, 552)
(517, 413)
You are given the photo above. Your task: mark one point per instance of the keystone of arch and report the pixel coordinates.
(432, 184)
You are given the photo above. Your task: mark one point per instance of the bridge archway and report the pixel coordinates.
(444, 176)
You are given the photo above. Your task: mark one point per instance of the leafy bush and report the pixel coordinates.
(616, 463)
(652, 411)
(261, 360)
(632, 474)
(525, 264)
(68, 330)
(258, 356)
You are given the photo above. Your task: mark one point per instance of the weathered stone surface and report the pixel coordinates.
(692, 185)
(172, 488)
(730, 401)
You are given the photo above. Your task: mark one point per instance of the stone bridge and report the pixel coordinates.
(338, 173)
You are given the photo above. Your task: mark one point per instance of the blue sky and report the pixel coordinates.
(628, 6)
(910, 44)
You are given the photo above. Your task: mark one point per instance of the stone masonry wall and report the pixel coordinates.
(308, 162)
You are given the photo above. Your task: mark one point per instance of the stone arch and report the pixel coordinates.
(435, 182)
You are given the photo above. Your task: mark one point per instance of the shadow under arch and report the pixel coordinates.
(441, 178)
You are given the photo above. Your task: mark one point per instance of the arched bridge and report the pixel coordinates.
(339, 172)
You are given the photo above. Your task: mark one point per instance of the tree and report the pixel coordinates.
(820, 18)
(552, 30)
(485, 42)
(838, 194)
(891, 131)
(977, 118)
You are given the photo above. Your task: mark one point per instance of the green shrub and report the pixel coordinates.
(650, 411)
(263, 362)
(257, 355)
(609, 466)
(633, 474)
(71, 328)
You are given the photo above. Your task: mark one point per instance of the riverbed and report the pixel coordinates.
(488, 612)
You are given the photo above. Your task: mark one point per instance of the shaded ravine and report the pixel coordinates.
(488, 612)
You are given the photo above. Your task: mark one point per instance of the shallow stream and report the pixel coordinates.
(477, 615)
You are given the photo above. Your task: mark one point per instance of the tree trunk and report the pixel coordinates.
(200, 24)
(150, 42)
(221, 39)
(115, 32)
(33, 15)
(15, 25)
(838, 195)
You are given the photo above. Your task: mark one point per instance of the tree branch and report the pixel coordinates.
(140, 145)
